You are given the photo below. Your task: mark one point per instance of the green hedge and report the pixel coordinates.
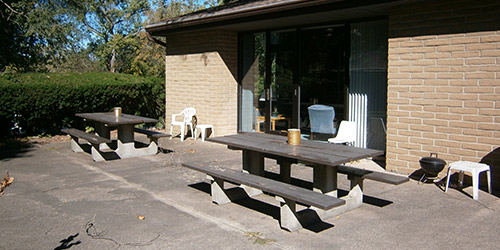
(44, 103)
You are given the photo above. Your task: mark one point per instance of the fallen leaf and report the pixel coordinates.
(7, 180)
(11, 179)
(140, 217)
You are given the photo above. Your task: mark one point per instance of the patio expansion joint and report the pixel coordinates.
(228, 225)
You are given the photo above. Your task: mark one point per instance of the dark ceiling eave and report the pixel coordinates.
(248, 15)
(222, 16)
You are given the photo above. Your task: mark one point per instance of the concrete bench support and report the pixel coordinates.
(287, 194)
(94, 141)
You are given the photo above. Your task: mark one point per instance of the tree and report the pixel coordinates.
(33, 31)
(149, 59)
(110, 22)
(86, 35)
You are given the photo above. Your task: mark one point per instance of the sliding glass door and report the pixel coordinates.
(285, 72)
(322, 77)
(280, 85)
(340, 67)
(252, 99)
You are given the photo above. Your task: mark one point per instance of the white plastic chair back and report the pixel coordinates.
(321, 119)
(188, 114)
(187, 120)
(346, 134)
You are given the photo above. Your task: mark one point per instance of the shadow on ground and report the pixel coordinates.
(68, 242)
(13, 148)
(315, 224)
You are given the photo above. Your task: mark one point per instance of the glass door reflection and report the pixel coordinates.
(281, 87)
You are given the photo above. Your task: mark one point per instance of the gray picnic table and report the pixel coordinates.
(323, 157)
(125, 125)
(326, 160)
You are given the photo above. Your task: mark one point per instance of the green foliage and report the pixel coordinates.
(44, 103)
(165, 9)
(109, 24)
(33, 31)
(80, 61)
(86, 35)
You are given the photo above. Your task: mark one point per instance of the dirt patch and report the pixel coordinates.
(51, 139)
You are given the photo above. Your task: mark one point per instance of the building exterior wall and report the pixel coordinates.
(443, 83)
(201, 72)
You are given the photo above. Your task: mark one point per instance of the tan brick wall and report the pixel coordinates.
(443, 82)
(201, 69)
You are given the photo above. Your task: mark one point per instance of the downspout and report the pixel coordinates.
(151, 38)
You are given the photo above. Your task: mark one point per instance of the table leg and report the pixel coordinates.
(253, 163)
(126, 144)
(103, 131)
(285, 171)
(325, 180)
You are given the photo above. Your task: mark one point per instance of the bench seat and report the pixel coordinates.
(153, 136)
(286, 193)
(151, 133)
(93, 139)
(357, 175)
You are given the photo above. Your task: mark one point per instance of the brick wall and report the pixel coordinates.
(201, 69)
(444, 83)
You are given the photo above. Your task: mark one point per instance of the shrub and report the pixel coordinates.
(44, 103)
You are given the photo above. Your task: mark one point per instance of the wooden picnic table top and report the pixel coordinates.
(308, 151)
(111, 120)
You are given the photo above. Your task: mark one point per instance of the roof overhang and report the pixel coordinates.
(271, 14)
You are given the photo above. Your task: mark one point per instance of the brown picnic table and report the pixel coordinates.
(325, 159)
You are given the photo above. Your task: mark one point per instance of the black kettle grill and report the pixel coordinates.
(431, 165)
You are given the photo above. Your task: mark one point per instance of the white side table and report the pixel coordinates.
(475, 169)
(203, 128)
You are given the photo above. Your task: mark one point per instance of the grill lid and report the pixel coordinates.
(433, 161)
(432, 165)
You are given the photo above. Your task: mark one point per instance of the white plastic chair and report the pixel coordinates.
(346, 134)
(187, 120)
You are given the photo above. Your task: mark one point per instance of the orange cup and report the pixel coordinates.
(294, 136)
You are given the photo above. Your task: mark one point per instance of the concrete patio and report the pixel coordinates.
(64, 200)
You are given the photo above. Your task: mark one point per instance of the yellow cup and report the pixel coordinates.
(294, 136)
(117, 111)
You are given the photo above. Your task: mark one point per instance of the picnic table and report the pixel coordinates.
(124, 124)
(325, 159)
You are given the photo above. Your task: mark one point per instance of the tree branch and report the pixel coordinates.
(12, 10)
(91, 28)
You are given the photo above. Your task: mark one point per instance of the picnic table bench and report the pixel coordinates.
(357, 175)
(152, 135)
(93, 139)
(288, 195)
